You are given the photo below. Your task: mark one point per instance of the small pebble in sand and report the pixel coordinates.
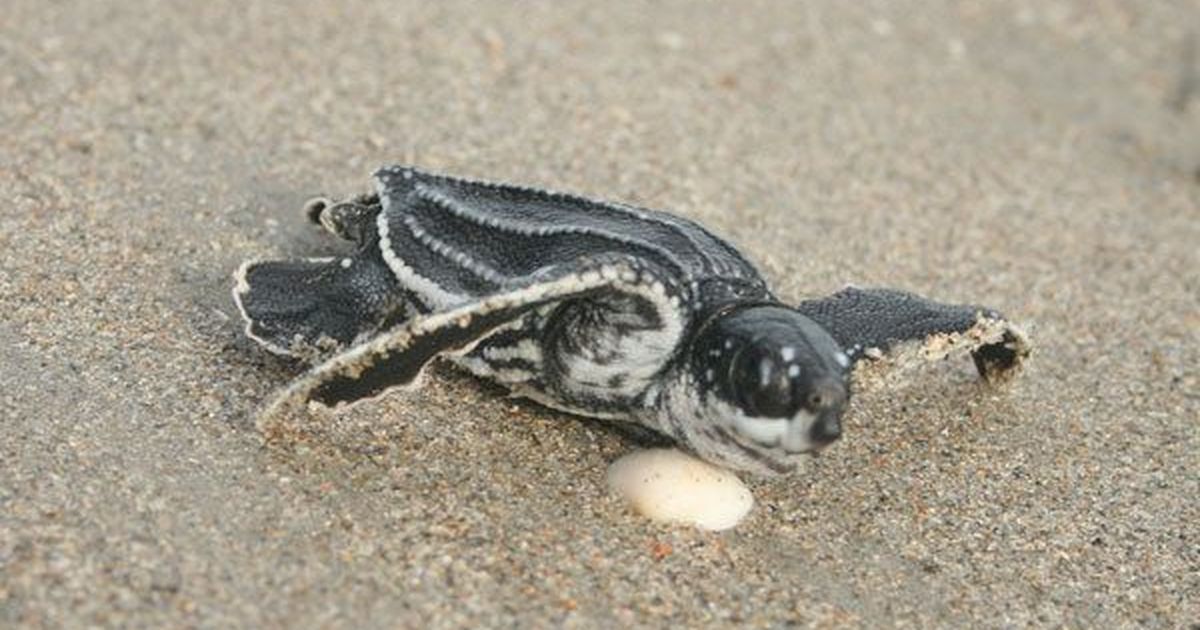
(670, 485)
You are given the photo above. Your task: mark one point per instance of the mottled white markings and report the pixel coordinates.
(782, 435)
(796, 438)
(526, 349)
(353, 362)
(692, 415)
(766, 431)
(793, 371)
(842, 359)
(613, 363)
(788, 353)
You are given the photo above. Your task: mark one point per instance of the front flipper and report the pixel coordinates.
(396, 357)
(874, 322)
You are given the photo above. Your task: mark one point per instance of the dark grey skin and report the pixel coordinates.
(597, 308)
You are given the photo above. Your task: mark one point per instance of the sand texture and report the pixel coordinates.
(1042, 158)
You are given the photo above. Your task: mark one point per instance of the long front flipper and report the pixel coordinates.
(877, 322)
(395, 358)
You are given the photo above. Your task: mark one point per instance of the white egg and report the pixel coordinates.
(672, 486)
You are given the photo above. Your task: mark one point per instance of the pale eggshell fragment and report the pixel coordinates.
(672, 486)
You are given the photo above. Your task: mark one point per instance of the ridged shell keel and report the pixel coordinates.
(468, 238)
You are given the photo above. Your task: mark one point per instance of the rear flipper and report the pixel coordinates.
(311, 307)
(875, 323)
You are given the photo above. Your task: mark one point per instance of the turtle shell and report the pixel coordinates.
(453, 240)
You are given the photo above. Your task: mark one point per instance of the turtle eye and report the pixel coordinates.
(762, 386)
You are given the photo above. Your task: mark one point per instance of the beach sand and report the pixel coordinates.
(1043, 159)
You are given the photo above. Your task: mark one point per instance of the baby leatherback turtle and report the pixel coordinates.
(600, 309)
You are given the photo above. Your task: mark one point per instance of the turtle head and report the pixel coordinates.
(772, 379)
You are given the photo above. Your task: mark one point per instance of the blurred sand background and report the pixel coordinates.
(1039, 157)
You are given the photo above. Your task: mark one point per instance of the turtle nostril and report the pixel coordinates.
(826, 429)
(827, 395)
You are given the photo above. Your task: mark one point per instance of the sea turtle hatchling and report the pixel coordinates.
(600, 309)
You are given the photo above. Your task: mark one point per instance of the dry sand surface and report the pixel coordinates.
(1039, 157)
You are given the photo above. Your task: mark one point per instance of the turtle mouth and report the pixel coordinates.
(791, 435)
